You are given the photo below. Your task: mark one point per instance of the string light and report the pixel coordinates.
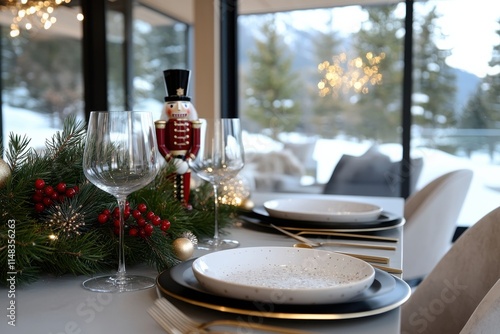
(234, 191)
(343, 75)
(29, 14)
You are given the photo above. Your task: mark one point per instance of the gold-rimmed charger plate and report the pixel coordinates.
(259, 216)
(387, 293)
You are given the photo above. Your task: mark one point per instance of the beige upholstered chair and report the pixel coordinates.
(448, 296)
(486, 317)
(431, 215)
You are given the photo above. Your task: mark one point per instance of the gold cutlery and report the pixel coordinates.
(339, 244)
(390, 270)
(173, 321)
(312, 244)
(341, 234)
(369, 258)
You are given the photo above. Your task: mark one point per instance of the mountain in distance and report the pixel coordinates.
(466, 86)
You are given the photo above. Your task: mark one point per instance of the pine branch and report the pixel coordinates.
(66, 236)
(67, 141)
(82, 255)
(18, 151)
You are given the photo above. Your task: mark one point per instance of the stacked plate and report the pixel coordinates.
(284, 282)
(311, 213)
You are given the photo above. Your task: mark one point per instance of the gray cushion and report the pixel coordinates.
(372, 174)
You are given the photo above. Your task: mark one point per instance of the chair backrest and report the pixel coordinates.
(448, 296)
(431, 215)
(486, 316)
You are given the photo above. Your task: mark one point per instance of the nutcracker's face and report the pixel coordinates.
(180, 110)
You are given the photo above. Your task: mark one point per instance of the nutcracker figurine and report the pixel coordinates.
(178, 130)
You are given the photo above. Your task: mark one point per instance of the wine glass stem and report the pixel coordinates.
(216, 214)
(120, 275)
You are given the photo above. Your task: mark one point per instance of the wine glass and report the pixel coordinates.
(220, 159)
(120, 157)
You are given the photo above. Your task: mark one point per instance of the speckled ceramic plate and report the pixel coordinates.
(385, 294)
(283, 274)
(322, 210)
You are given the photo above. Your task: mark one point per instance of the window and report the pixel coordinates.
(313, 89)
(42, 80)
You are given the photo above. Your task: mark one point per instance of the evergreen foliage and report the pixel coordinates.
(272, 84)
(43, 244)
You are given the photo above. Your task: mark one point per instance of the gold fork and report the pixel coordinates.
(174, 321)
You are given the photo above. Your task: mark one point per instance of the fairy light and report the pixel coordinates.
(31, 13)
(344, 75)
(234, 192)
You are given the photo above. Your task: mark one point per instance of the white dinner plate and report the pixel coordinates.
(283, 275)
(322, 210)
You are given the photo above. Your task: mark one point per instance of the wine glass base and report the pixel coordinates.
(111, 283)
(217, 244)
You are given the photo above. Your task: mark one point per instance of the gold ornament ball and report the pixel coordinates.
(248, 204)
(183, 248)
(4, 173)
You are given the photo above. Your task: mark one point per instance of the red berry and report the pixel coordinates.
(142, 207)
(61, 187)
(141, 221)
(39, 207)
(150, 216)
(102, 218)
(37, 198)
(156, 220)
(148, 229)
(55, 196)
(76, 188)
(116, 213)
(39, 184)
(70, 193)
(116, 230)
(142, 233)
(106, 212)
(116, 223)
(136, 214)
(48, 190)
(165, 225)
(133, 232)
(47, 201)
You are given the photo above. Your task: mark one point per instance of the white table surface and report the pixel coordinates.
(60, 305)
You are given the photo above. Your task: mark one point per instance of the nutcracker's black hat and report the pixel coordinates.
(177, 84)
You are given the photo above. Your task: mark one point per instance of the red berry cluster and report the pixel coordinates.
(142, 224)
(46, 195)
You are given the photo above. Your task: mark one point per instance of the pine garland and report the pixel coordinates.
(66, 238)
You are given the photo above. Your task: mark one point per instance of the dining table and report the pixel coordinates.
(60, 305)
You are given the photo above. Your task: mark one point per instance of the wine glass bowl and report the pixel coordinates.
(120, 158)
(220, 158)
